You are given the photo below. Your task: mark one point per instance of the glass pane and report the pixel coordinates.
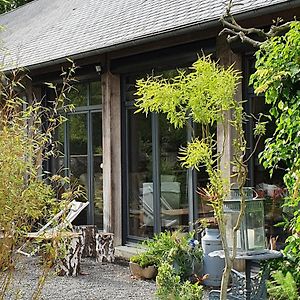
(78, 154)
(254, 216)
(231, 219)
(60, 138)
(174, 200)
(269, 188)
(205, 210)
(130, 88)
(58, 159)
(140, 190)
(78, 95)
(97, 168)
(95, 93)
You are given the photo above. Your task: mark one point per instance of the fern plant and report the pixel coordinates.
(282, 287)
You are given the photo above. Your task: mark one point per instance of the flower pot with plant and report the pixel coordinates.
(143, 266)
(180, 249)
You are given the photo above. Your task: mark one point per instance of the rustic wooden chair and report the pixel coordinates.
(72, 210)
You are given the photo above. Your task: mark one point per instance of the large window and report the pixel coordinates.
(81, 148)
(160, 194)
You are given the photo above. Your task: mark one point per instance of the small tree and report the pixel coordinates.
(26, 140)
(204, 95)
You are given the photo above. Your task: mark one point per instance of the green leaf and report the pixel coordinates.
(280, 105)
(274, 112)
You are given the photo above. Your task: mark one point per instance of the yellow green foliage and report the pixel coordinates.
(202, 94)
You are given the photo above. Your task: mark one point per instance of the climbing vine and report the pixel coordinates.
(278, 77)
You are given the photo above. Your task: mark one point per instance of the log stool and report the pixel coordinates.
(89, 239)
(71, 246)
(105, 247)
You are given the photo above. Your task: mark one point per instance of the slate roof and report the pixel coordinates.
(47, 30)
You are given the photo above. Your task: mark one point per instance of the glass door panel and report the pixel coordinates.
(97, 159)
(174, 195)
(205, 210)
(140, 192)
(78, 154)
(78, 148)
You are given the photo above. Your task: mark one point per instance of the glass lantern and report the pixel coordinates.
(251, 235)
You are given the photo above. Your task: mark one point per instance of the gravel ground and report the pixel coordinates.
(100, 281)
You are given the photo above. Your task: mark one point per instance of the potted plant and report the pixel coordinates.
(180, 249)
(143, 266)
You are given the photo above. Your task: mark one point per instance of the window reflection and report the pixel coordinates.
(97, 168)
(173, 203)
(174, 198)
(95, 93)
(78, 95)
(81, 150)
(139, 175)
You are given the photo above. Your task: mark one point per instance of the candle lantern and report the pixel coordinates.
(251, 235)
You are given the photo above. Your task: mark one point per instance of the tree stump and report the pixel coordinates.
(71, 247)
(105, 247)
(89, 239)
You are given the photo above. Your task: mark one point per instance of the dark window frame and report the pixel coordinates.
(191, 181)
(87, 110)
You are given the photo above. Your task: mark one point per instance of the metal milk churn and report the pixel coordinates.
(213, 266)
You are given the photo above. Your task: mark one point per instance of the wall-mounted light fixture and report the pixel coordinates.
(98, 69)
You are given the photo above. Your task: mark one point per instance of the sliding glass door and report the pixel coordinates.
(160, 194)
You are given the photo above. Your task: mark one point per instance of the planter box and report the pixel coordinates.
(143, 273)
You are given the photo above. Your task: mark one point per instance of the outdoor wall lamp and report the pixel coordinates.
(98, 69)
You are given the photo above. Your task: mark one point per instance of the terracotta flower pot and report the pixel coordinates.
(136, 270)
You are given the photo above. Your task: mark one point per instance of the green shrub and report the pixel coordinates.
(277, 78)
(175, 254)
(190, 291)
(170, 286)
(282, 287)
(176, 247)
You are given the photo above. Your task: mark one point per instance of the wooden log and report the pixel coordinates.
(71, 248)
(105, 247)
(89, 239)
